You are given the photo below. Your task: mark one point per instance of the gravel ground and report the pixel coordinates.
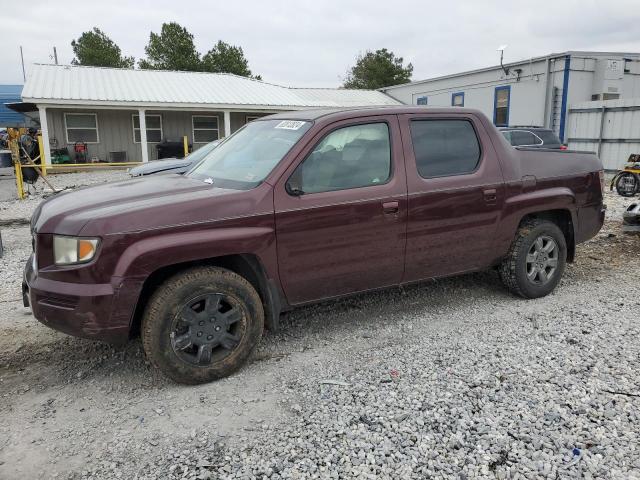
(448, 379)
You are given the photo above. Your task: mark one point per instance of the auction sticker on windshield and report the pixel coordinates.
(290, 124)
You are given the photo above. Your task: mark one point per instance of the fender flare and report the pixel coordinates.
(144, 258)
(521, 205)
(149, 254)
(554, 198)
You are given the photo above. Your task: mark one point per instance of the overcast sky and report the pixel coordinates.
(314, 43)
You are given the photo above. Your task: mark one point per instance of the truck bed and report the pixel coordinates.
(543, 163)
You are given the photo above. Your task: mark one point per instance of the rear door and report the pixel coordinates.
(456, 194)
(341, 211)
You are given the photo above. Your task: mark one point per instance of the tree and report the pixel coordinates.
(225, 58)
(172, 49)
(95, 49)
(378, 69)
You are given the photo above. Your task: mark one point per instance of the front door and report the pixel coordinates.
(456, 194)
(341, 211)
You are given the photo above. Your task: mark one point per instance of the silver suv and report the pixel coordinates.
(535, 137)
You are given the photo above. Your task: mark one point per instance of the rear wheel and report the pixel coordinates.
(202, 324)
(536, 260)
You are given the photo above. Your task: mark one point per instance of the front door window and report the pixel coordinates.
(351, 157)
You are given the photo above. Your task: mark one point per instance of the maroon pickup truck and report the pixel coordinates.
(297, 208)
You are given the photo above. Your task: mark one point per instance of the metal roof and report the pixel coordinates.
(514, 64)
(344, 97)
(66, 84)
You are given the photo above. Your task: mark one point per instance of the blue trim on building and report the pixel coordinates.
(424, 100)
(495, 103)
(565, 93)
(457, 94)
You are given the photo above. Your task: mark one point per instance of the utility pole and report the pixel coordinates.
(24, 75)
(55, 55)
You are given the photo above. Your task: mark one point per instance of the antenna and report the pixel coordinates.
(24, 75)
(55, 55)
(501, 49)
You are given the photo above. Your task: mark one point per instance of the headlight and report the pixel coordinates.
(72, 250)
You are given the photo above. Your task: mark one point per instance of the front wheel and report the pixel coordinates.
(202, 324)
(536, 260)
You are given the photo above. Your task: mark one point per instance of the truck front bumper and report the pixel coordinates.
(94, 311)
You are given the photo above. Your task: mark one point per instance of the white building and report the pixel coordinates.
(122, 114)
(534, 92)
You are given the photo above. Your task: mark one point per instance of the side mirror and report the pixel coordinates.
(294, 184)
(294, 190)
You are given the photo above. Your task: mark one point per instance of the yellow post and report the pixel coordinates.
(19, 182)
(43, 161)
(185, 141)
(15, 156)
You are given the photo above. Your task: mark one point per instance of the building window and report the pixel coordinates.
(605, 96)
(422, 100)
(457, 99)
(250, 118)
(205, 128)
(501, 102)
(444, 147)
(81, 127)
(154, 128)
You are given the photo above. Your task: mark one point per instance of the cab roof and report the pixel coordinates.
(339, 113)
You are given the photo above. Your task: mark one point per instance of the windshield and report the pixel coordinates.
(244, 159)
(200, 153)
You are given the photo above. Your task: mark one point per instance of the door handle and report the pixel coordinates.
(391, 208)
(490, 195)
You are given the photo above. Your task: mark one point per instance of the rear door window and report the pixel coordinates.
(444, 147)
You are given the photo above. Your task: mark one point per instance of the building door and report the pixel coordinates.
(341, 212)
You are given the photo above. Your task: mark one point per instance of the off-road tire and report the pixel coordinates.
(164, 305)
(513, 270)
(624, 192)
